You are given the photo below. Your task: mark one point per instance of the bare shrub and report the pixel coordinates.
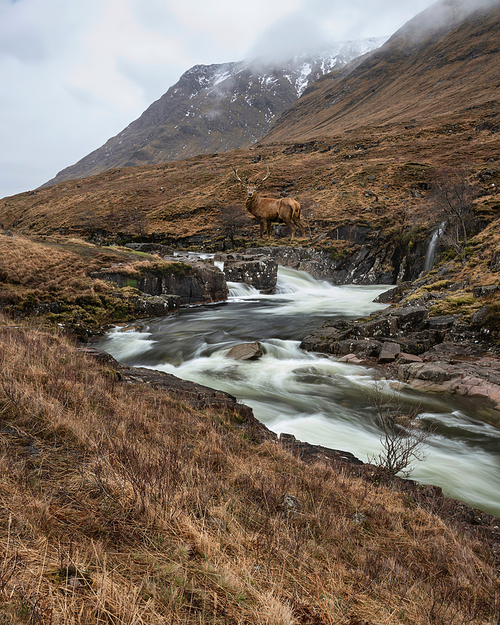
(453, 196)
(403, 434)
(233, 220)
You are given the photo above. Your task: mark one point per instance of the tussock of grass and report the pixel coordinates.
(121, 505)
(51, 279)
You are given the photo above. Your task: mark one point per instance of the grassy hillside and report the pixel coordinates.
(123, 505)
(372, 176)
(50, 280)
(431, 68)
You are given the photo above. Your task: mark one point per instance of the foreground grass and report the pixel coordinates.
(119, 504)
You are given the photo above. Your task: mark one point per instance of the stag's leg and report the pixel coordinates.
(270, 234)
(289, 223)
(261, 223)
(296, 219)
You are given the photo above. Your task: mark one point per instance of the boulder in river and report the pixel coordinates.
(246, 351)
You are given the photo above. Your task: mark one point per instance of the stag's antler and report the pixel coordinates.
(266, 176)
(244, 183)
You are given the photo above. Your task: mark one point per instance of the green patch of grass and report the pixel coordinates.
(437, 286)
(460, 303)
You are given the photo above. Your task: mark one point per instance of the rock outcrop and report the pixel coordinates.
(478, 379)
(430, 353)
(371, 259)
(194, 283)
(257, 270)
(367, 338)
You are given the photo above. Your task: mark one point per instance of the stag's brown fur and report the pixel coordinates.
(268, 211)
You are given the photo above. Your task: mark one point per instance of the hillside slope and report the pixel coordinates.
(123, 503)
(444, 62)
(216, 108)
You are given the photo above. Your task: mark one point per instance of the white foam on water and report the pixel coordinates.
(316, 398)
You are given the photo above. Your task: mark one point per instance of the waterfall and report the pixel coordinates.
(431, 250)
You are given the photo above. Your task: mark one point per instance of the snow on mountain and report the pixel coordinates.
(216, 108)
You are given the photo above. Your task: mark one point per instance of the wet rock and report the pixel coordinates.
(442, 322)
(260, 271)
(419, 342)
(365, 338)
(406, 359)
(392, 295)
(363, 348)
(246, 351)
(479, 378)
(352, 359)
(409, 316)
(379, 327)
(314, 453)
(447, 351)
(389, 352)
(432, 373)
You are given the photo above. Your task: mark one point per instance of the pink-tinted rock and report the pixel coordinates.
(352, 359)
(406, 359)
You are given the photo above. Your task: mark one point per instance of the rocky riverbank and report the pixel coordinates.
(434, 353)
(477, 524)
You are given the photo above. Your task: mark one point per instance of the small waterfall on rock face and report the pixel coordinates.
(431, 250)
(315, 397)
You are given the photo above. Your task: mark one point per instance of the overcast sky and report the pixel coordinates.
(73, 74)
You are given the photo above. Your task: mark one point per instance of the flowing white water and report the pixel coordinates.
(431, 250)
(314, 397)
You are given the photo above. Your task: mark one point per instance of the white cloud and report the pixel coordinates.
(316, 22)
(73, 74)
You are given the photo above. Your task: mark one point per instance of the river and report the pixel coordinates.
(314, 397)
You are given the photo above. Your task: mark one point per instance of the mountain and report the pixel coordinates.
(216, 108)
(443, 62)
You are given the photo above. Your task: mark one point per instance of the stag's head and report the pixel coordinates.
(251, 187)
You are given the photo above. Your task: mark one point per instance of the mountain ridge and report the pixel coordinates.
(439, 63)
(215, 108)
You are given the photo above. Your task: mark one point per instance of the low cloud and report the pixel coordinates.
(73, 75)
(320, 22)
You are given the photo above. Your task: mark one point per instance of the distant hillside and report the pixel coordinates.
(444, 61)
(216, 108)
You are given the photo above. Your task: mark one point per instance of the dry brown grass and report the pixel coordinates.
(121, 505)
(373, 169)
(50, 279)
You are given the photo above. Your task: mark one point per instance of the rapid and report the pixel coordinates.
(312, 396)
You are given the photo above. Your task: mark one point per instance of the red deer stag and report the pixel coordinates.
(267, 210)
